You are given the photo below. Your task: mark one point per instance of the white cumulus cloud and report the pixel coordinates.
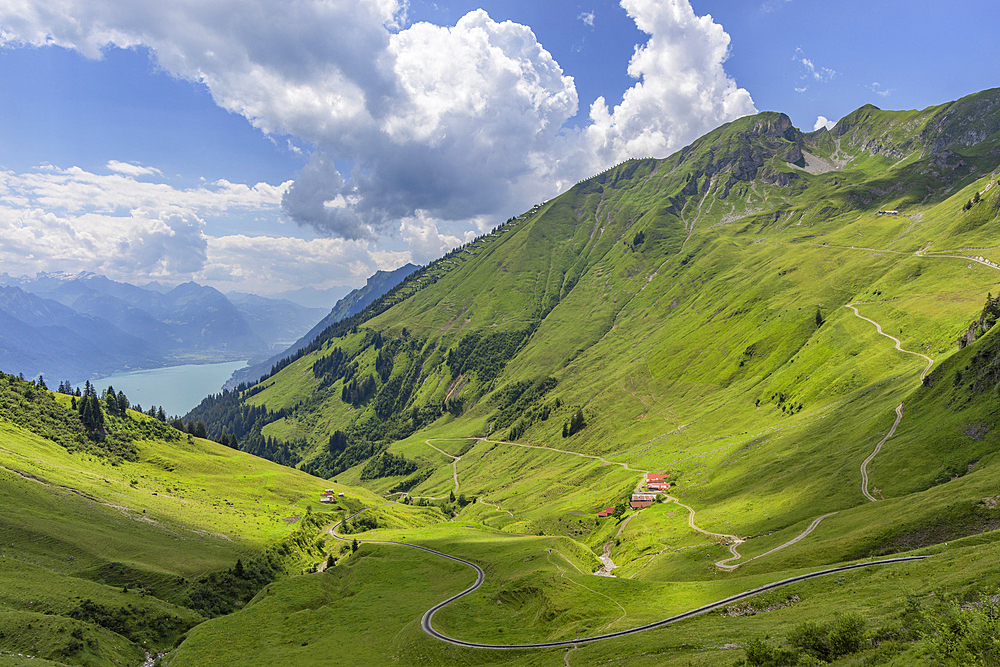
(823, 121)
(682, 91)
(72, 220)
(440, 123)
(56, 219)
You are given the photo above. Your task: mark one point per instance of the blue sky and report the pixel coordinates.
(258, 146)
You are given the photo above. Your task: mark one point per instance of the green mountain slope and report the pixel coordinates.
(715, 316)
(721, 242)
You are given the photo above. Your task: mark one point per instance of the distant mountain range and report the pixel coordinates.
(86, 325)
(353, 303)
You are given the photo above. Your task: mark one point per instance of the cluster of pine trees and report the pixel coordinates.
(357, 392)
(89, 408)
(575, 424)
(387, 464)
(116, 403)
(99, 424)
(486, 354)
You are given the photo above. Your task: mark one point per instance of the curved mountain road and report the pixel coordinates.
(723, 563)
(428, 617)
(732, 540)
(455, 459)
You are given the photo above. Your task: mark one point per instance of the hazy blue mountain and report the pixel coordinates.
(42, 336)
(310, 297)
(147, 328)
(157, 286)
(278, 321)
(83, 298)
(191, 322)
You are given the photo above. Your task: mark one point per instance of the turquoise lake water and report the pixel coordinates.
(176, 388)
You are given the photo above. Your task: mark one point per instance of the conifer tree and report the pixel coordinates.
(111, 402)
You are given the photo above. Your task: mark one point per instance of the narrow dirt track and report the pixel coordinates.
(732, 540)
(899, 346)
(878, 447)
(723, 563)
(899, 408)
(455, 459)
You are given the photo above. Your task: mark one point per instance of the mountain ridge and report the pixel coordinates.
(351, 304)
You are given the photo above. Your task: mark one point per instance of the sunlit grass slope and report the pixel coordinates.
(100, 557)
(710, 315)
(695, 310)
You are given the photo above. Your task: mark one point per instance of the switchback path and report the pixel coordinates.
(930, 362)
(864, 466)
(428, 617)
(732, 540)
(899, 408)
(498, 508)
(455, 459)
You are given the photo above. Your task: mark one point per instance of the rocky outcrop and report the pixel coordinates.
(987, 318)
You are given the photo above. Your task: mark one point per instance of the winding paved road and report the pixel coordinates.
(428, 617)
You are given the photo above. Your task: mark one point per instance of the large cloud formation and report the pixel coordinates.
(439, 123)
(73, 220)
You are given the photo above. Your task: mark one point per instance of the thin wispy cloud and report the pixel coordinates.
(771, 5)
(130, 169)
(821, 74)
(587, 18)
(879, 89)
